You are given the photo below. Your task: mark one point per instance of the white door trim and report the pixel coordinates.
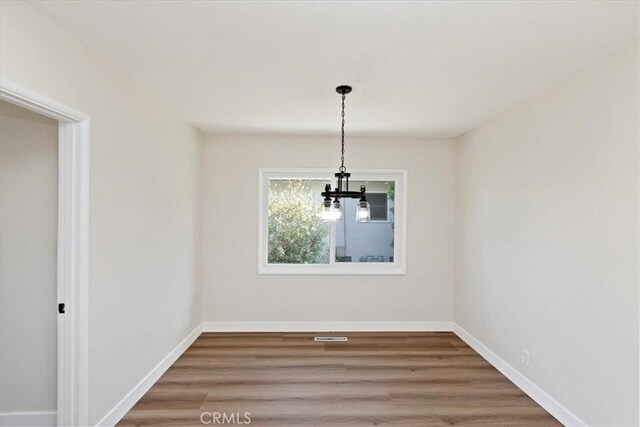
(73, 248)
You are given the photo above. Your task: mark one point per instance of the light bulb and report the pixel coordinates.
(363, 213)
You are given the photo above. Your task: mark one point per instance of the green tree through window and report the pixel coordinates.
(296, 233)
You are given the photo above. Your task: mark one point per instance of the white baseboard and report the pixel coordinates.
(120, 410)
(28, 419)
(551, 405)
(327, 326)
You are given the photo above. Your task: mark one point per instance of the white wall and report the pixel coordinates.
(547, 239)
(28, 258)
(144, 201)
(234, 292)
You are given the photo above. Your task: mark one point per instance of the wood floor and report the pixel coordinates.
(375, 379)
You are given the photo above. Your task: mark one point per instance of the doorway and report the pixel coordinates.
(28, 266)
(71, 264)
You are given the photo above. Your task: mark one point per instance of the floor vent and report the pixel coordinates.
(331, 339)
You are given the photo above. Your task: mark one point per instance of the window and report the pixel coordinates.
(294, 240)
(379, 206)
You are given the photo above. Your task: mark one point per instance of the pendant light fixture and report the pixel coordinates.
(333, 210)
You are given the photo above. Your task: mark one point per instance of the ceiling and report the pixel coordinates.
(433, 69)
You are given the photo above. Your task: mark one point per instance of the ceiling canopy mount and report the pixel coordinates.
(343, 90)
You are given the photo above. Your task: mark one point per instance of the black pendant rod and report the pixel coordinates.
(343, 90)
(342, 168)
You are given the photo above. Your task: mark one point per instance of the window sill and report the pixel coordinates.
(366, 269)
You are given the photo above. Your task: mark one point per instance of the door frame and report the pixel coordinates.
(73, 248)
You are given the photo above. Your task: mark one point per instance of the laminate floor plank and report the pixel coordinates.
(374, 379)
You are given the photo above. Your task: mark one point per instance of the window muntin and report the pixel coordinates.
(385, 254)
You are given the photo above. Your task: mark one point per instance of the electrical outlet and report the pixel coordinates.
(186, 321)
(525, 358)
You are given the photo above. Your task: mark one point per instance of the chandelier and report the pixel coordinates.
(332, 210)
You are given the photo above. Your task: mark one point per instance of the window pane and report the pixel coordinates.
(296, 233)
(378, 205)
(367, 241)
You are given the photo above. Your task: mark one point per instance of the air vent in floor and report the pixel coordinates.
(331, 339)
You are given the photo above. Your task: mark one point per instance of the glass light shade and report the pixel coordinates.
(363, 213)
(337, 210)
(327, 213)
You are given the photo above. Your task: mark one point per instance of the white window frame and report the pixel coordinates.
(397, 267)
